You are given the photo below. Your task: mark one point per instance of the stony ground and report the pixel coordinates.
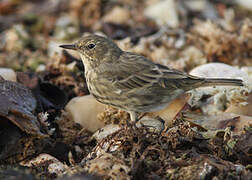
(51, 128)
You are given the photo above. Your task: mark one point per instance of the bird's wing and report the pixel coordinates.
(177, 79)
(136, 71)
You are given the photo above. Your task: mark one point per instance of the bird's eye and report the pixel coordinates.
(91, 46)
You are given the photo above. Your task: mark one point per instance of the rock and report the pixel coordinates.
(17, 105)
(198, 5)
(105, 131)
(8, 74)
(117, 15)
(153, 125)
(84, 110)
(54, 166)
(164, 12)
(108, 166)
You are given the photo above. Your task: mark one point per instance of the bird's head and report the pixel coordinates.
(95, 49)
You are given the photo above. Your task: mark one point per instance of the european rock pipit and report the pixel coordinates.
(132, 82)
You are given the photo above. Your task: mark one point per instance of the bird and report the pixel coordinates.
(132, 82)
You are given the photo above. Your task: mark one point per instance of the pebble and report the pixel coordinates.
(164, 12)
(54, 166)
(117, 15)
(106, 131)
(84, 110)
(8, 74)
(152, 124)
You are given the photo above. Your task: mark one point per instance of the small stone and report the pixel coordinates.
(117, 15)
(8, 74)
(164, 12)
(84, 110)
(105, 131)
(108, 166)
(152, 124)
(54, 166)
(196, 5)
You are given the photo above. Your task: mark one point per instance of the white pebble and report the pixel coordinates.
(84, 110)
(8, 74)
(163, 12)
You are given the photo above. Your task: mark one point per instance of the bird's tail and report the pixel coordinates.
(221, 82)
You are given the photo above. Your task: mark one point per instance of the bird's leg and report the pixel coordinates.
(133, 116)
(133, 119)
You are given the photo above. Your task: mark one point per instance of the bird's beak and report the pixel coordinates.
(69, 46)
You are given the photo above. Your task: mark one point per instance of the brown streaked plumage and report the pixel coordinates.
(132, 82)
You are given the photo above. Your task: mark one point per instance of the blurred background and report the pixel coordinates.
(171, 32)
